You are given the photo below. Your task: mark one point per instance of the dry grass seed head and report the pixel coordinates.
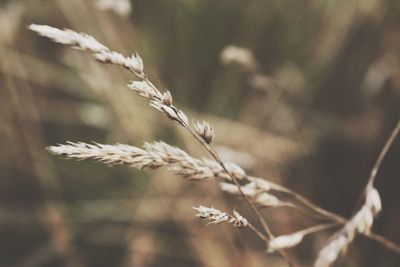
(205, 130)
(216, 216)
(360, 223)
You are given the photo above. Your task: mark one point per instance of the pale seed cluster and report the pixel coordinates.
(360, 223)
(83, 41)
(151, 156)
(205, 130)
(216, 216)
(144, 88)
(285, 241)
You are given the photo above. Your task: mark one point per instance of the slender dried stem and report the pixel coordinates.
(382, 155)
(384, 242)
(291, 240)
(318, 228)
(362, 221)
(341, 220)
(258, 233)
(325, 214)
(180, 117)
(215, 155)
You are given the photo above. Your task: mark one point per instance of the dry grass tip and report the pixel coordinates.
(216, 216)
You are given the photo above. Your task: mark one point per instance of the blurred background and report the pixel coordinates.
(303, 93)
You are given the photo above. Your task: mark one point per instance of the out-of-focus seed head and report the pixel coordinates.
(135, 63)
(205, 130)
(285, 241)
(167, 98)
(144, 89)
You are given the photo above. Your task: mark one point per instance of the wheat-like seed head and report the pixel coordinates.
(151, 156)
(68, 37)
(84, 41)
(216, 216)
(285, 241)
(144, 89)
(291, 240)
(360, 223)
(133, 63)
(205, 130)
